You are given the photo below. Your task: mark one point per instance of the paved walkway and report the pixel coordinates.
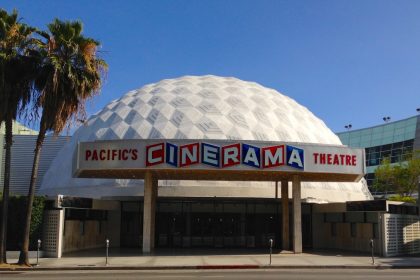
(204, 259)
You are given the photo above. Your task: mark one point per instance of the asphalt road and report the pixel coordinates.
(260, 274)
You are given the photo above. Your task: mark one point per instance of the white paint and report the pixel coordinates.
(251, 156)
(295, 158)
(210, 154)
(150, 157)
(230, 154)
(270, 159)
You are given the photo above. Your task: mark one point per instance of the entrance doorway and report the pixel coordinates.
(131, 224)
(211, 223)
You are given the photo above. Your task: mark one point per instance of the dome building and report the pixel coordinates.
(203, 107)
(219, 212)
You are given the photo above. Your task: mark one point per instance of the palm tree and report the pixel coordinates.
(17, 70)
(70, 74)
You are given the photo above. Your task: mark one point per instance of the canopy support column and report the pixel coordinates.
(285, 214)
(150, 194)
(297, 215)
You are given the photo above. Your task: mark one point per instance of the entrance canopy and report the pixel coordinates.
(218, 160)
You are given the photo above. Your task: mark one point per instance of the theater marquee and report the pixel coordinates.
(214, 155)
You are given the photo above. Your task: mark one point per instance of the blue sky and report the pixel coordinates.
(347, 61)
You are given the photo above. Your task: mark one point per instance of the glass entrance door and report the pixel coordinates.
(208, 223)
(170, 225)
(131, 224)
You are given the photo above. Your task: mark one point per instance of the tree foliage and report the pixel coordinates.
(15, 226)
(18, 62)
(401, 178)
(70, 72)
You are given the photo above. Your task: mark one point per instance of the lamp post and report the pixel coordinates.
(348, 127)
(386, 119)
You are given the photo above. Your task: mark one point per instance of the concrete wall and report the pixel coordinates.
(94, 236)
(53, 225)
(323, 239)
(74, 240)
(402, 234)
(329, 207)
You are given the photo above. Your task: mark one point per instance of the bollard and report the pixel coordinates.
(37, 252)
(372, 249)
(271, 248)
(107, 248)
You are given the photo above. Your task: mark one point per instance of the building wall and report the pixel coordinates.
(94, 233)
(87, 234)
(324, 239)
(75, 238)
(17, 129)
(22, 159)
(381, 134)
(417, 139)
(401, 234)
(327, 216)
(393, 140)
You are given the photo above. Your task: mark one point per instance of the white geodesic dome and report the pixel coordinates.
(198, 107)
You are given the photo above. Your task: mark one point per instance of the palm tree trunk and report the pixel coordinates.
(5, 204)
(24, 252)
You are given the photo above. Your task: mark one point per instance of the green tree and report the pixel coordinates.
(70, 73)
(18, 63)
(401, 178)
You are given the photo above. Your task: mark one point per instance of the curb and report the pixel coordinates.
(209, 267)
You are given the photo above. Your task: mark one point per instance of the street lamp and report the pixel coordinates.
(348, 127)
(386, 119)
(418, 110)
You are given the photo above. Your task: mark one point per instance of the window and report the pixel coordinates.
(397, 145)
(397, 152)
(385, 154)
(353, 229)
(385, 148)
(396, 155)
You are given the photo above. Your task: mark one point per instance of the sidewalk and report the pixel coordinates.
(90, 260)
